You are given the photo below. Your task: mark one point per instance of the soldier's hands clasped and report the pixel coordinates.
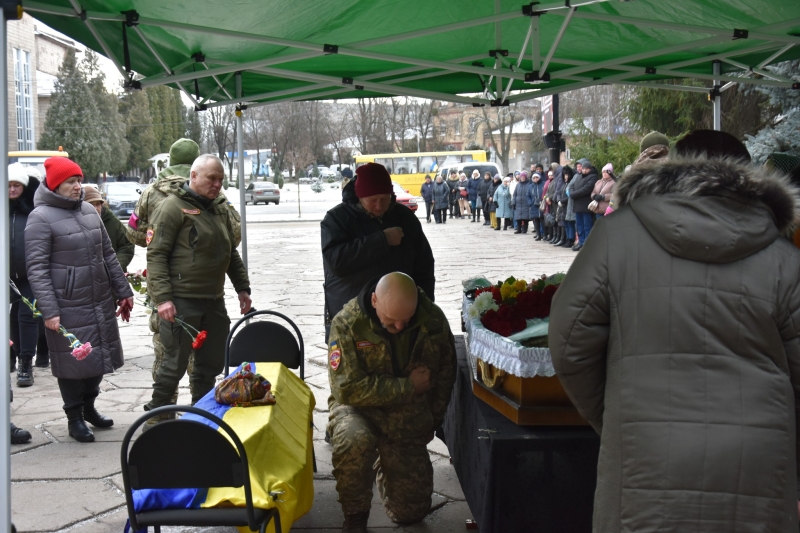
(421, 379)
(393, 235)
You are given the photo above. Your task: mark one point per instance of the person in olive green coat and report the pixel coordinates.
(391, 366)
(676, 333)
(116, 231)
(190, 249)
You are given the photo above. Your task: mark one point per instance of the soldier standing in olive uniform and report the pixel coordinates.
(392, 365)
(190, 248)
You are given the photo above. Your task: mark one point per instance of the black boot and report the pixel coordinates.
(19, 435)
(25, 373)
(91, 415)
(78, 429)
(560, 237)
(355, 523)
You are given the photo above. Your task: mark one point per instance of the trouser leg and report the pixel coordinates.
(428, 208)
(72, 392)
(437, 216)
(405, 480)
(210, 358)
(493, 219)
(355, 450)
(27, 325)
(14, 333)
(42, 351)
(158, 350)
(443, 216)
(91, 388)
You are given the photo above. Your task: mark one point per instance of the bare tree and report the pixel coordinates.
(220, 130)
(500, 123)
(256, 133)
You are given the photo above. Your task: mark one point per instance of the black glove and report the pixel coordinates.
(598, 197)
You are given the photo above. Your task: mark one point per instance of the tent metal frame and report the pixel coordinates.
(421, 68)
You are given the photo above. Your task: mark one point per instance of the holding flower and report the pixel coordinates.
(73, 271)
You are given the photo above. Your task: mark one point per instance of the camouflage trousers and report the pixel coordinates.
(158, 348)
(402, 469)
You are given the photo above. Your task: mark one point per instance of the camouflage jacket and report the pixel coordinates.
(363, 370)
(169, 179)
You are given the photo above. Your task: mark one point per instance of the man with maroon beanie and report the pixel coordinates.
(368, 236)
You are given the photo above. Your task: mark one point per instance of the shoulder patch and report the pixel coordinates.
(149, 237)
(334, 355)
(191, 211)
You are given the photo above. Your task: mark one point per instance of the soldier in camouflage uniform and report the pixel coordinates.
(182, 154)
(391, 366)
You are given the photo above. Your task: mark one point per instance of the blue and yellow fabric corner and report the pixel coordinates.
(278, 442)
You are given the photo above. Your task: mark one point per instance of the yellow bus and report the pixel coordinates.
(35, 158)
(409, 169)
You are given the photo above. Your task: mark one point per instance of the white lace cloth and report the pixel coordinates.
(504, 353)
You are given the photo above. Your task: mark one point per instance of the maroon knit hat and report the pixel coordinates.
(58, 170)
(372, 179)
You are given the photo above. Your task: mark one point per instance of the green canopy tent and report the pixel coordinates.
(478, 52)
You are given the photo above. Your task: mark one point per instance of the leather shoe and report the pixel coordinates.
(577, 247)
(79, 431)
(19, 435)
(91, 415)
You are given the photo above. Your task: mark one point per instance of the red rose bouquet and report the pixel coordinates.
(513, 302)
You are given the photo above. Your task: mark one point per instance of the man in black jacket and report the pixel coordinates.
(427, 194)
(483, 194)
(581, 197)
(369, 235)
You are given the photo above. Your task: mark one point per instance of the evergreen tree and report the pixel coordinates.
(194, 127)
(116, 157)
(783, 133)
(135, 109)
(667, 111)
(156, 117)
(74, 121)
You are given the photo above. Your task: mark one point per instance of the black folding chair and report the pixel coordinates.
(179, 454)
(267, 342)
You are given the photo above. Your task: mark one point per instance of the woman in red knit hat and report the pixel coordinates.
(74, 274)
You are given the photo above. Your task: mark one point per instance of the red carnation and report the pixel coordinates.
(144, 273)
(549, 291)
(505, 312)
(199, 340)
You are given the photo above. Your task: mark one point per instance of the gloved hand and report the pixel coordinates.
(598, 197)
(124, 309)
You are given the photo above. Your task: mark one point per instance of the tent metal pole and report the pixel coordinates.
(109, 54)
(641, 56)
(151, 81)
(755, 34)
(335, 81)
(241, 179)
(667, 87)
(538, 93)
(533, 31)
(717, 98)
(498, 44)
(724, 55)
(727, 86)
(5, 291)
(219, 83)
(557, 41)
(765, 73)
(775, 56)
(162, 62)
(215, 91)
(295, 98)
(714, 77)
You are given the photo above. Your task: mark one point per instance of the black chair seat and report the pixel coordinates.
(226, 516)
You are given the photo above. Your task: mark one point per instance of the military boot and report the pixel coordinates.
(355, 523)
(19, 435)
(25, 372)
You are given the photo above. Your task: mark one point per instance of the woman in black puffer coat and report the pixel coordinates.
(25, 327)
(73, 270)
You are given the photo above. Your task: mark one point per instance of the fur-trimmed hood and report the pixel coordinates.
(712, 210)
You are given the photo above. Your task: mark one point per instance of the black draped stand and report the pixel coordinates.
(519, 478)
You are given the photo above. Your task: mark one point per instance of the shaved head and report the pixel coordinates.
(395, 301)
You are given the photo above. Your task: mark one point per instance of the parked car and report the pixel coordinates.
(262, 191)
(404, 197)
(121, 196)
(469, 166)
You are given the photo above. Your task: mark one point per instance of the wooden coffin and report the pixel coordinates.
(536, 401)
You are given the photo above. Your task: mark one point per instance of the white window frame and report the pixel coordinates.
(23, 95)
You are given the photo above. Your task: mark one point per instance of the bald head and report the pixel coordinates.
(395, 301)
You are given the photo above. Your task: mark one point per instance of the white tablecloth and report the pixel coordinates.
(504, 353)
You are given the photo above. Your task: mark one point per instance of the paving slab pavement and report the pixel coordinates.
(81, 482)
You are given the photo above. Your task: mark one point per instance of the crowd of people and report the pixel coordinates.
(558, 207)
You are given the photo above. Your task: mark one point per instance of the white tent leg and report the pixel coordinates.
(5, 411)
(242, 181)
(717, 99)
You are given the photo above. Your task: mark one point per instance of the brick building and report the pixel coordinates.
(34, 54)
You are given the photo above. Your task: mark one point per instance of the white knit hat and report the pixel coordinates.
(16, 172)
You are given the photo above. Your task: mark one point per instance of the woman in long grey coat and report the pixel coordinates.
(440, 196)
(502, 197)
(72, 270)
(676, 333)
(523, 203)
